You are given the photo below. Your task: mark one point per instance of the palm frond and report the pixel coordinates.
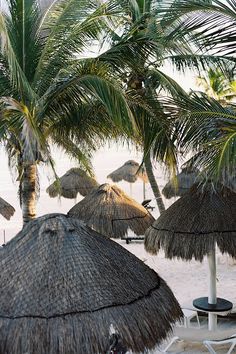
(89, 79)
(209, 129)
(211, 23)
(159, 80)
(22, 28)
(16, 74)
(73, 26)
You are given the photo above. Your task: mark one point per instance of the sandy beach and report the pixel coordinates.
(188, 280)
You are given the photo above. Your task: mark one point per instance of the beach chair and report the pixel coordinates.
(202, 336)
(146, 204)
(231, 340)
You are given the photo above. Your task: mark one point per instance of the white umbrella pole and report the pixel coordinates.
(130, 188)
(144, 191)
(212, 299)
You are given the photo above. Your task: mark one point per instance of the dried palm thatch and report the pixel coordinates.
(192, 225)
(63, 286)
(111, 212)
(74, 181)
(6, 209)
(129, 172)
(189, 176)
(181, 184)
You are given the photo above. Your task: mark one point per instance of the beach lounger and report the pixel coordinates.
(128, 239)
(231, 340)
(202, 335)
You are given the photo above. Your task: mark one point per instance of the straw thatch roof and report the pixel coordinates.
(128, 172)
(108, 210)
(74, 181)
(181, 184)
(6, 209)
(63, 286)
(191, 226)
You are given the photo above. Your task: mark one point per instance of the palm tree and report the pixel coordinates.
(204, 124)
(145, 78)
(154, 133)
(217, 86)
(42, 82)
(207, 129)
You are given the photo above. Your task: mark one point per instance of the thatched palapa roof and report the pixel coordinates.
(128, 172)
(191, 226)
(189, 176)
(181, 184)
(74, 181)
(108, 210)
(6, 209)
(63, 286)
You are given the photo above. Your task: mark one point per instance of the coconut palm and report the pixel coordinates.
(205, 125)
(209, 130)
(217, 86)
(42, 82)
(144, 77)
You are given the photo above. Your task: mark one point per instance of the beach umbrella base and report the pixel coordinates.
(222, 305)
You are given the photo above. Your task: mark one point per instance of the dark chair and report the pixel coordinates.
(146, 205)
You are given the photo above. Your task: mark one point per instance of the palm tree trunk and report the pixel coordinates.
(153, 183)
(28, 196)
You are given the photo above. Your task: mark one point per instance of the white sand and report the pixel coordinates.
(189, 280)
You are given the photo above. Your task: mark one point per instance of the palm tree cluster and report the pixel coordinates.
(53, 93)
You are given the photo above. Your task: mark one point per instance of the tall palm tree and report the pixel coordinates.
(144, 76)
(42, 82)
(204, 124)
(207, 129)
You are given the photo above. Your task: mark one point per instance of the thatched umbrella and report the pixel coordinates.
(129, 172)
(64, 287)
(6, 209)
(181, 184)
(108, 210)
(189, 176)
(74, 181)
(191, 228)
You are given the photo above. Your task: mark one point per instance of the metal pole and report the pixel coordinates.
(212, 299)
(4, 236)
(144, 191)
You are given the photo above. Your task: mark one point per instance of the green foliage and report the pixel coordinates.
(209, 130)
(217, 86)
(43, 82)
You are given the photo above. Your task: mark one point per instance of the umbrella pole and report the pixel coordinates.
(212, 299)
(144, 191)
(130, 188)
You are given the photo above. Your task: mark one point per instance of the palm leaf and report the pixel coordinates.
(209, 129)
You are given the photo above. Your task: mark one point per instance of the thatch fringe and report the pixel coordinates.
(181, 183)
(6, 210)
(129, 172)
(62, 286)
(89, 332)
(74, 181)
(193, 224)
(108, 210)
